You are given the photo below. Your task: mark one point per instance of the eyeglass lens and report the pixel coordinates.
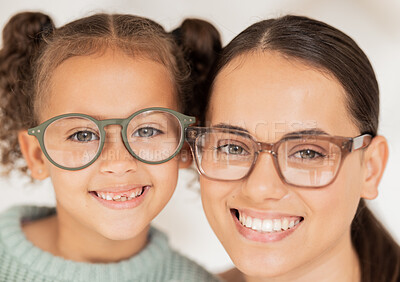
(75, 141)
(304, 161)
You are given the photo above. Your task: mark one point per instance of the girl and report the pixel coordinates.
(93, 105)
(284, 184)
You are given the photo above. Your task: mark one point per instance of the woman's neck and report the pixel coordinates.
(339, 263)
(66, 238)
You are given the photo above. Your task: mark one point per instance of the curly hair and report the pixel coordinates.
(22, 37)
(34, 48)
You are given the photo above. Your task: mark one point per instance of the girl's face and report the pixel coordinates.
(269, 96)
(106, 86)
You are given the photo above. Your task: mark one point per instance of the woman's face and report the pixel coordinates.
(269, 96)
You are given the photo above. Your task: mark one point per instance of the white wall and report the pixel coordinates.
(375, 26)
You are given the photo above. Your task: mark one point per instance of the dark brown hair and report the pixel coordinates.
(33, 48)
(329, 49)
(22, 37)
(201, 45)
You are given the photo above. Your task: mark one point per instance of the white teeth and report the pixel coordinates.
(242, 219)
(256, 224)
(267, 225)
(249, 222)
(120, 198)
(277, 224)
(285, 224)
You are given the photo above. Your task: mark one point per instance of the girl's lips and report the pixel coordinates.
(267, 227)
(127, 199)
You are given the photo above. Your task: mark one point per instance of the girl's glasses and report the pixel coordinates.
(305, 160)
(75, 141)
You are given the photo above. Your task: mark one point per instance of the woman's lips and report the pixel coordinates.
(268, 227)
(127, 199)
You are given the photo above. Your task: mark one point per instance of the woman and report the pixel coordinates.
(290, 154)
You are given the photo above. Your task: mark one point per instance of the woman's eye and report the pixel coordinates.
(232, 149)
(308, 154)
(147, 132)
(84, 136)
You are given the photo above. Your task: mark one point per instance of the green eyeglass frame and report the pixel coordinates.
(40, 130)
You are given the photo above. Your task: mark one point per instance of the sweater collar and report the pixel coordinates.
(16, 245)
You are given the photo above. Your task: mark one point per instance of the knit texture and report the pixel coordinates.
(21, 261)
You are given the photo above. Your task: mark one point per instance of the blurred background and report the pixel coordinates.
(373, 24)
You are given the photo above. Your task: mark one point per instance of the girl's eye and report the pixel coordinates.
(232, 149)
(84, 136)
(147, 132)
(308, 154)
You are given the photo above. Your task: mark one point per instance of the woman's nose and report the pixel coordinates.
(263, 182)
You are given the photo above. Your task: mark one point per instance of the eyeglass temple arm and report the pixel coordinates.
(361, 141)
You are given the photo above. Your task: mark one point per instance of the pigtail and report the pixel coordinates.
(378, 252)
(200, 42)
(22, 37)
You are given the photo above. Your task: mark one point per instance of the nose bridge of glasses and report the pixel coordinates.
(266, 148)
(111, 136)
(107, 122)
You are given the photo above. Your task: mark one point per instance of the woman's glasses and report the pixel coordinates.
(75, 141)
(305, 160)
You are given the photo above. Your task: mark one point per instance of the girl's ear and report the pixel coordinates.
(185, 156)
(375, 159)
(33, 155)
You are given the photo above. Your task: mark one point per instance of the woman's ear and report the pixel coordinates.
(185, 156)
(33, 155)
(375, 159)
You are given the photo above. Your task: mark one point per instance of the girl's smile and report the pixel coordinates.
(122, 197)
(116, 197)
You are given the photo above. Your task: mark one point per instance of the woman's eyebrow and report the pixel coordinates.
(228, 126)
(311, 131)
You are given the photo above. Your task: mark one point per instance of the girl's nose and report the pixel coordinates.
(115, 158)
(264, 182)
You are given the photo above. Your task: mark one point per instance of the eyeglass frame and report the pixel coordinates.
(184, 121)
(345, 144)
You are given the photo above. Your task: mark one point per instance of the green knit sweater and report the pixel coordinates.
(21, 261)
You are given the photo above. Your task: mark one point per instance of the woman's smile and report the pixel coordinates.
(267, 226)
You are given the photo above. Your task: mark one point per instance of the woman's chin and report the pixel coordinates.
(261, 266)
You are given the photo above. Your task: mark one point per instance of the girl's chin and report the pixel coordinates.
(125, 233)
(120, 237)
